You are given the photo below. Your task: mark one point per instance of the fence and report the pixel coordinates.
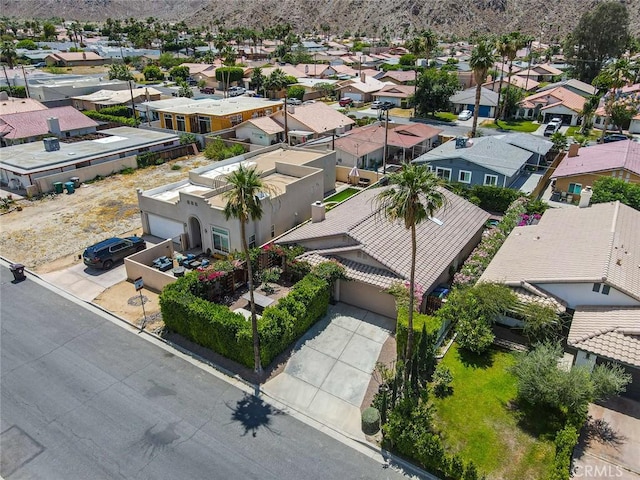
(536, 192)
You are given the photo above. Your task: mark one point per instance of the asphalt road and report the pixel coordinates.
(83, 398)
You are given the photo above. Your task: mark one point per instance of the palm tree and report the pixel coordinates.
(587, 113)
(8, 52)
(482, 59)
(514, 43)
(615, 76)
(502, 45)
(243, 203)
(412, 198)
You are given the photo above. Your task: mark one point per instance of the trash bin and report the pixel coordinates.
(69, 186)
(58, 187)
(18, 271)
(76, 181)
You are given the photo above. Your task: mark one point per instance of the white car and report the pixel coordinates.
(465, 115)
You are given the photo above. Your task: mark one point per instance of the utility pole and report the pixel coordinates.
(7, 78)
(26, 84)
(386, 137)
(133, 105)
(286, 129)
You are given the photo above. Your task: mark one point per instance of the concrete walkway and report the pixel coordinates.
(328, 374)
(84, 282)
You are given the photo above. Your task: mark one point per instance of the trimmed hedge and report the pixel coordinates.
(431, 323)
(130, 122)
(370, 421)
(565, 442)
(215, 327)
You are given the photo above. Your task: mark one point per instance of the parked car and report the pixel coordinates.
(308, 102)
(376, 104)
(104, 254)
(612, 137)
(208, 90)
(294, 101)
(465, 115)
(236, 91)
(345, 101)
(552, 127)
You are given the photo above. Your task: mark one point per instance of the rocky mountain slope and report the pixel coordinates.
(548, 20)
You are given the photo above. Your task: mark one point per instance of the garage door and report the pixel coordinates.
(368, 297)
(484, 111)
(165, 228)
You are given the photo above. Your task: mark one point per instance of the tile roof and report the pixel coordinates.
(34, 123)
(317, 117)
(606, 234)
(555, 97)
(369, 85)
(572, 82)
(119, 97)
(398, 75)
(266, 124)
(357, 221)
(611, 332)
(75, 56)
(398, 91)
(363, 140)
(602, 158)
(490, 152)
(355, 270)
(468, 97)
(18, 105)
(516, 81)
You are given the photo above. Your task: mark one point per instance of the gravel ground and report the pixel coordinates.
(51, 231)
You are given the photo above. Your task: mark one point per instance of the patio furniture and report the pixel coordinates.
(261, 300)
(563, 197)
(364, 182)
(569, 199)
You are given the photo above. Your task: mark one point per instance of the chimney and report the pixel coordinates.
(318, 211)
(585, 197)
(363, 77)
(53, 124)
(573, 150)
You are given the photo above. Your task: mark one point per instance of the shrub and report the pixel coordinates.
(370, 421)
(565, 442)
(431, 324)
(442, 379)
(130, 122)
(117, 110)
(147, 159)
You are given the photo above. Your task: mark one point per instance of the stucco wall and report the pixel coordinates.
(576, 294)
(139, 265)
(367, 297)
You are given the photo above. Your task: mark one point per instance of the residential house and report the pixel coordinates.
(75, 59)
(9, 105)
(558, 102)
(314, 70)
(305, 122)
(478, 161)
(109, 98)
(540, 147)
(206, 116)
(540, 73)
(263, 131)
(363, 147)
(32, 164)
(376, 252)
(360, 89)
(527, 85)
(397, 77)
(466, 100)
(581, 168)
(31, 126)
(398, 95)
(586, 258)
(202, 72)
(53, 90)
(310, 86)
(344, 71)
(190, 212)
(572, 84)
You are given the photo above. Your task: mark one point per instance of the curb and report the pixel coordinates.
(384, 457)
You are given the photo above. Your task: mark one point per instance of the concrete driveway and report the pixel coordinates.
(540, 131)
(609, 445)
(328, 374)
(84, 282)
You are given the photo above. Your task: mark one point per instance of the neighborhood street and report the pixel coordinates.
(83, 398)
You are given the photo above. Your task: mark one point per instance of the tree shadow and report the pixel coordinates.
(600, 430)
(253, 414)
(538, 421)
(475, 360)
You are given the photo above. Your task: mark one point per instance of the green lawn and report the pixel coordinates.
(479, 422)
(573, 131)
(444, 116)
(343, 195)
(526, 126)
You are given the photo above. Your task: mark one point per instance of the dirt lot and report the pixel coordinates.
(49, 233)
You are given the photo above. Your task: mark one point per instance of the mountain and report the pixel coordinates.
(548, 20)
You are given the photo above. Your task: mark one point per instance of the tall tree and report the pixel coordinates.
(482, 59)
(433, 91)
(611, 80)
(243, 203)
(514, 43)
(412, 198)
(602, 33)
(8, 53)
(502, 47)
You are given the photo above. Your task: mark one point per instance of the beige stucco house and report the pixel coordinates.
(190, 212)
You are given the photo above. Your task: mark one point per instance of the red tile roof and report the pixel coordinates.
(34, 123)
(623, 155)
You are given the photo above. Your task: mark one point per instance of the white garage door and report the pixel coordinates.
(165, 228)
(368, 297)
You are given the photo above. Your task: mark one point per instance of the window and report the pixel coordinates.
(168, 121)
(596, 287)
(252, 241)
(273, 231)
(490, 179)
(180, 123)
(235, 119)
(606, 289)
(464, 176)
(444, 173)
(205, 124)
(575, 188)
(220, 239)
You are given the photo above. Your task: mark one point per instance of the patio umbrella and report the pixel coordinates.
(354, 173)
